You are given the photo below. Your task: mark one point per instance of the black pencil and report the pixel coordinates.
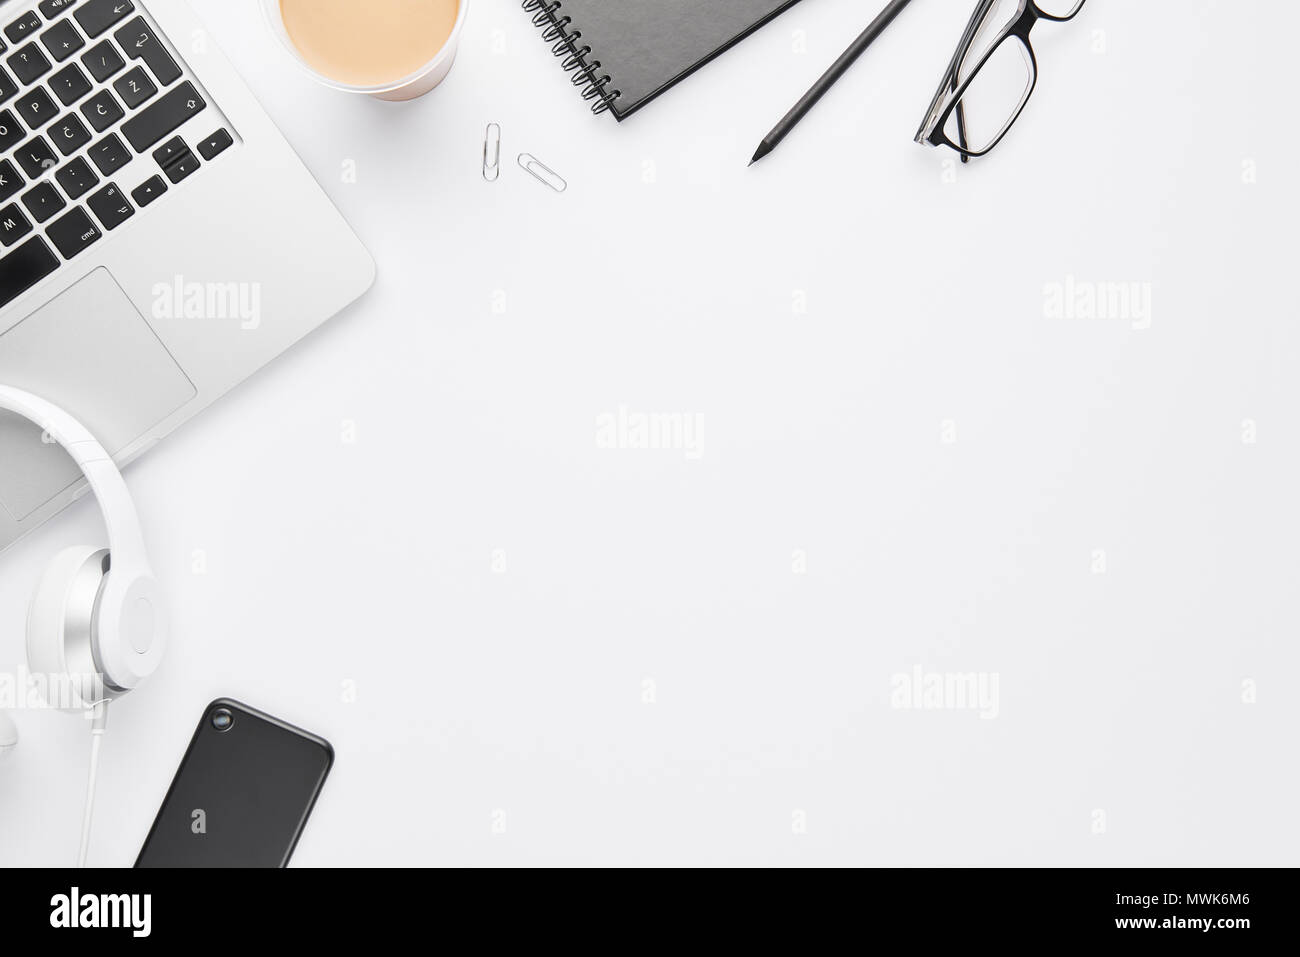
(841, 66)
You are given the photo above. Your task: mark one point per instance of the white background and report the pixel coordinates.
(666, 280)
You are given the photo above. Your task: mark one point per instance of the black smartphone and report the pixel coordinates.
(242, 794)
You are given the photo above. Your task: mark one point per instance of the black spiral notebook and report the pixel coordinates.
(624, 53)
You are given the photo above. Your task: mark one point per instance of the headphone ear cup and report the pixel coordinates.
(60, 629)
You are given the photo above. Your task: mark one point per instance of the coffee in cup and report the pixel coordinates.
(392, 49)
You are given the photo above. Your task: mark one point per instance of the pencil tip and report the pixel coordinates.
(763, 149)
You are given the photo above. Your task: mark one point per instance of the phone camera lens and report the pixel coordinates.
(222, 719)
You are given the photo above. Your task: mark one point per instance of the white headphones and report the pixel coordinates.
(97, 623)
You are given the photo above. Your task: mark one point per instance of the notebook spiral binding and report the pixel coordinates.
(565, 43)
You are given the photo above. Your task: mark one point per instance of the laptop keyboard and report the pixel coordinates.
(86, 87)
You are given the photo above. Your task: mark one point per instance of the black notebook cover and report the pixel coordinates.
(624, 53)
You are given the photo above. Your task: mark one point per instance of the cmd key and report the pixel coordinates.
(74, 232)
(25, 267)
(149, 126)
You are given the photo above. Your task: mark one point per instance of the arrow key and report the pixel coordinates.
(218, 142)
(182, 167)
(148, 191)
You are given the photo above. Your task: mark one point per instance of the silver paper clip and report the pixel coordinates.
(492, 152)
(542, 173)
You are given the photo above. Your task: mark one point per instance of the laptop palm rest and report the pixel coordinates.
(90, 352)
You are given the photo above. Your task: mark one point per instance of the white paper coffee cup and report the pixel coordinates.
(407, 88)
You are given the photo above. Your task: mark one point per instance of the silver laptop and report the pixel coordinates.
(159, 240)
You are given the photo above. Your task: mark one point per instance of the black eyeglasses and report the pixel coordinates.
(987, 85)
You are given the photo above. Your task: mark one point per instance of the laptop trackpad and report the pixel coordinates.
(90, 352)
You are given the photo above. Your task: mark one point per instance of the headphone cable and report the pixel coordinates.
(99, 721)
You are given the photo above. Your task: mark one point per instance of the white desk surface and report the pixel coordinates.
(888, 404)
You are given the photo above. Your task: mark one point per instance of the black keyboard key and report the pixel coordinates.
(36, 108)
(96, 16)
(62, 40)
(102, 111)
(25, 267)
(70, 84)
(150, 125)
(23, 27)
(77, 178)
(43, 201)
(218, 142)
(109, 154)
(29, 64)
(112, 208)
(11, 131)
(8, 88)
(69, 134)
(36, 157)
(52, 8)
(13, 225)
(73, 233)
(182, 167)
(141, 43)
(135, 87)
(169, 151)
(10, 181)
(103, 61)
(148, 191)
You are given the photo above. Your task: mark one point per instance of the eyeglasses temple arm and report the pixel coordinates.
(952, 76)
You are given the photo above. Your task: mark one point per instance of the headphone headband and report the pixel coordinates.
(125, 541)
